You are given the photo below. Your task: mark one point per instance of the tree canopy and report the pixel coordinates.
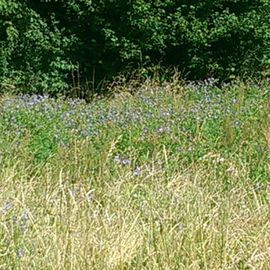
(46, 45)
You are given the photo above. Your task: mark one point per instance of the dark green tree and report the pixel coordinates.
(46, 45)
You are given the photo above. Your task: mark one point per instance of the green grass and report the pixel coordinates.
(161, 179)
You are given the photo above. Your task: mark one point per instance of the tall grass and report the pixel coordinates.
(160, 179)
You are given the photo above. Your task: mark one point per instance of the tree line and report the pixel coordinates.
(50, 46)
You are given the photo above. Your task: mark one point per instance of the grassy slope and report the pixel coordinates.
(173, 177)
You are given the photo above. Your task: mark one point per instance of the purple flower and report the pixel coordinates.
(122, 161)
(137, 171)
(163, 130)
(7, 206)
(126, 161)
(236, 123)
(117, 159)
(20, 252)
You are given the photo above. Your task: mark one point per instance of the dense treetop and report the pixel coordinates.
(46, 45)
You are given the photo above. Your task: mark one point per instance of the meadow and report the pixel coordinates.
(166, 175)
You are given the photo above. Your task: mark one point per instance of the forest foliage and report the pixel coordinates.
(50, 46)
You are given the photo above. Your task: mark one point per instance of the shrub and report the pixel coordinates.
(42, 42)
(33, 50)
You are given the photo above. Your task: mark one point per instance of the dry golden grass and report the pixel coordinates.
(200, 200)
(55, 218)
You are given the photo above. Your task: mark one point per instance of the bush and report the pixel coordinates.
(42, 42)
(34, 54)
